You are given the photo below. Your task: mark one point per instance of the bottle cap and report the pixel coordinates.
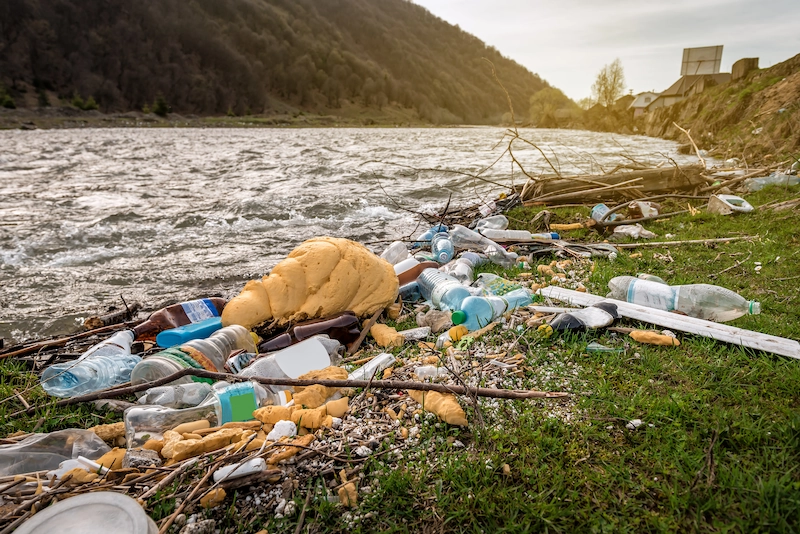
(458, 317)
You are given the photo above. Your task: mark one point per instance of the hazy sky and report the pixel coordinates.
(567, 42)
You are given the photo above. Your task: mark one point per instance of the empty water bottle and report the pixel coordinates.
(477, 312)
(425, 237)
(104, 365)
(465, 238)
(177, 396)
(442, 248)
(703, 301)
(444, 291)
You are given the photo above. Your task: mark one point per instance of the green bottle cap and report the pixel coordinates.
(458, 317)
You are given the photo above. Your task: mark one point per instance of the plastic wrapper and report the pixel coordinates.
(46, 451)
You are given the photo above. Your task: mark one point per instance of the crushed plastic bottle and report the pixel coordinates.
(703, 301)
(424, 239)
(185, 313)
(495, 222)
(477, 312)
(177, 396)
(444, 291)
(104, 365)
(442, 248)
(757, 184)
(465, 238)
(462, 268)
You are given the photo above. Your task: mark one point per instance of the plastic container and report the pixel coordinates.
(291, 362)
(408, 270)
(495, 222)
(229, 402)
(477, 312)
(373, 367)
(98, 512)
(395, 253)
(188, 332)
(703, 301)
(163, 364)
(444, 291)
(176, 315)
(219, 345)
(601, 209)
(104, 365)
(178, 395)
(442, 248)
(465, 238)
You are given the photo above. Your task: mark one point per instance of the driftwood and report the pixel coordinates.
(119, 316)
(14, 352)
(620, 186)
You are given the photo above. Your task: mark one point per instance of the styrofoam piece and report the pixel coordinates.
(282, 429)
(241, 469)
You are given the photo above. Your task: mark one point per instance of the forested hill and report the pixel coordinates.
(253, 56)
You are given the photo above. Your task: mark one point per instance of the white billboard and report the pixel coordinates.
(704, 60)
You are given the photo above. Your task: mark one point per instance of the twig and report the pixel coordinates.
(63, 341)
(302, 514)
(171, 518)
(688, 242)
(738, 263)
(364, 331)
(696, 150)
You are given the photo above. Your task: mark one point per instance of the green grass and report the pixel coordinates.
(719, 450)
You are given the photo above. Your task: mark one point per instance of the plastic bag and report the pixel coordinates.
(632, 230)
(46, 451)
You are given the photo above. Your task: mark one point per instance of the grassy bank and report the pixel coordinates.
(718, 450)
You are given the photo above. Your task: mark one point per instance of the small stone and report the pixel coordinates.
(180, 520)
(205, 526)
(634, 424)
(363, 451)
(506, 470)
(141, 458)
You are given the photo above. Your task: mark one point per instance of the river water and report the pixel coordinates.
(160, 215)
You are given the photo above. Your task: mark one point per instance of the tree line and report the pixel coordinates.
(255, 56)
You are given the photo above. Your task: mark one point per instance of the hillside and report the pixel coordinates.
(212, 57)
(753, 119)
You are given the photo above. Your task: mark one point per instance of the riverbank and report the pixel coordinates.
(716, 448)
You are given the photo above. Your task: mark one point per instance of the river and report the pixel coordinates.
(159, 215)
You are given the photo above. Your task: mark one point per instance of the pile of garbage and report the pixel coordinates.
(281, 383)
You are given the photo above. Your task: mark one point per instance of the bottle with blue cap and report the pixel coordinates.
(442, 247)
(477, 312)
(444, 291)
(425, 237)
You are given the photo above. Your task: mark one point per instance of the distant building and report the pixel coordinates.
(743, 67)
(640, 103)
(687, 86)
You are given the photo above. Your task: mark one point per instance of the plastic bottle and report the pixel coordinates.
(444, 291)
(601, 209)
(757, 184)
(442, 248)
(465, 238)
(291, 362)
(651, 278)
(176, 315)
(703, 301)
(410, 292)
(425, 237)
(462, 268)
(518, 235)
(343, 327)
(229, 402)
(210, 354)
(477, 312)
(496, 222)
(395, 253)
(177, 396)
(104, 365)
(188, 332)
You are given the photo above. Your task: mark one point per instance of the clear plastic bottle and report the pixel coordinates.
(496, 222)
(410, 292)
(104, 365)
(229, 402)
(477, 312)
(209, 354)
(460, 269)
(465, 238)
(444, 291)
(177, 396)
(703, 301)
(395, 253)
(442, 248)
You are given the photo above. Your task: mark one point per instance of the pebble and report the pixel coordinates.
(633, 424)
(363, 451)
(205, 526)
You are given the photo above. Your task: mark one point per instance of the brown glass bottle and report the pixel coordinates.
(342, 327)
(177, 315)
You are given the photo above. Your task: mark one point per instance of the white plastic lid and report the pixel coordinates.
(93, 513)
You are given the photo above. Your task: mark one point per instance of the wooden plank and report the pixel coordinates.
(718, 331)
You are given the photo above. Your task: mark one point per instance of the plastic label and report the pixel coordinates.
(199, 310)
(652, 295)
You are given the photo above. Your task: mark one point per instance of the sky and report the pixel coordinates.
(567, 42)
